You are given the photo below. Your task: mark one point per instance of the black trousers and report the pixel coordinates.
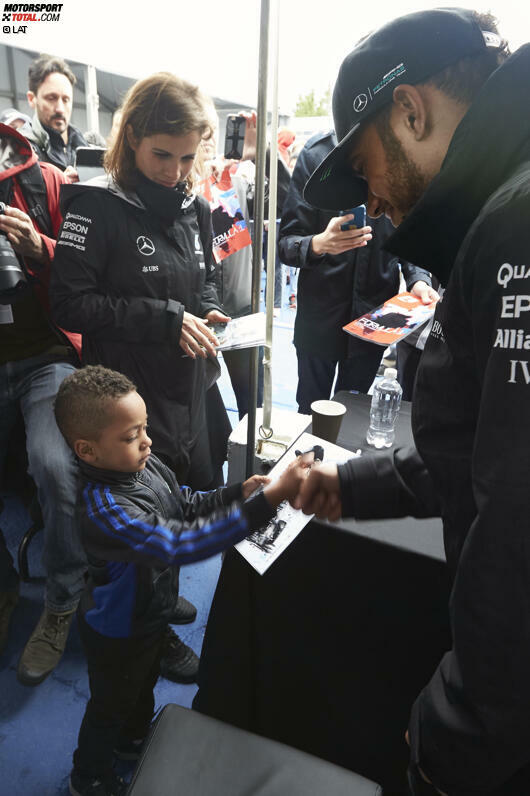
(316, 375)
(122, 675)
(238, 365)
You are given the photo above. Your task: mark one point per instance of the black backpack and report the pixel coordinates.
(35, 195)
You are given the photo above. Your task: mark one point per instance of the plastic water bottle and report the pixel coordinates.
(386, 401)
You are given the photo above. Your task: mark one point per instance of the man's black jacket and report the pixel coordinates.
(333, 289)
(470, 727)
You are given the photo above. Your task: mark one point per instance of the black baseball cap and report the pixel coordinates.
(410, 49)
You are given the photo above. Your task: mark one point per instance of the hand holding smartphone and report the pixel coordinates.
(89, 162)
(234, 137)
(358, 221)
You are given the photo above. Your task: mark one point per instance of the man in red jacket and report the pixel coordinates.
(35, 356)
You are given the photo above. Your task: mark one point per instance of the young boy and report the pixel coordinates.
(136, 523)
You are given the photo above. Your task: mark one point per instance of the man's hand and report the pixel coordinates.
(215, 316)
(195, 338)
(71, 174)
(320, 493)
(252, 483)
(423, 776)
(22, 234)
(336, 241)
(425, 292)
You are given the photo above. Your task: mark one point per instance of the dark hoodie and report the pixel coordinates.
(470, 727)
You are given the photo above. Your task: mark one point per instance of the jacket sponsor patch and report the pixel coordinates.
(74, 231)
(145, 245)
(507, 272)
(519, 372)
(514, 306)
(437, 331)
(512, 339)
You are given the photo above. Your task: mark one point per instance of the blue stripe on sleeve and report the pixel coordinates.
(199, 542)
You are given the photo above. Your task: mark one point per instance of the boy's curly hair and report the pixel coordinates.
(82, 402)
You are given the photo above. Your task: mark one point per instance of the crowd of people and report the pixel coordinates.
(108, 370)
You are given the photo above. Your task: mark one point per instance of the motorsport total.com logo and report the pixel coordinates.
(21, 15)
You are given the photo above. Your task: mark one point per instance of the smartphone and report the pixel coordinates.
(234, 137)
(359, 218)
(89, 162)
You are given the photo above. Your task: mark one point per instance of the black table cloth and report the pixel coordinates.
(327, 651)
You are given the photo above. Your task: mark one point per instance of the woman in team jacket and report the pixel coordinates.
(134, 271)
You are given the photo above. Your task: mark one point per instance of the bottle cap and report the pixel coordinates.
(390, 373)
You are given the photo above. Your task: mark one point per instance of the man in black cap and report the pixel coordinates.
(433, 129)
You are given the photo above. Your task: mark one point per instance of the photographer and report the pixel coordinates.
(35, 356)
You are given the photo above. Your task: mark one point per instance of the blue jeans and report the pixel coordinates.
(30, 385)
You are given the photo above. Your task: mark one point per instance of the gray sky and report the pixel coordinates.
(215, 43)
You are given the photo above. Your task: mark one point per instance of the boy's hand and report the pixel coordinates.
(289, 483)
(251, 484)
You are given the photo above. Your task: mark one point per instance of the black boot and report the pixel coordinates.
(179, 662)
(184, 613)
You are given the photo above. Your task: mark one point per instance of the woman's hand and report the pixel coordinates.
(196, 339)
(215, 316)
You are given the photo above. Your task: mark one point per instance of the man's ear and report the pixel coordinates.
(31, 98)
(410, 111)
(84, 450)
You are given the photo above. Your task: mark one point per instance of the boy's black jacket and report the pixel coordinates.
(137, 527)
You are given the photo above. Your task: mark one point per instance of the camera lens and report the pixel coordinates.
(12, 278)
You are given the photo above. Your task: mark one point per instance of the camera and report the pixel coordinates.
(12, 277)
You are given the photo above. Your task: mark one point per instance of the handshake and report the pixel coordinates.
(307, 484)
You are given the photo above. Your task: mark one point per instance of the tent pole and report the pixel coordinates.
(257, 243)
(266, 429)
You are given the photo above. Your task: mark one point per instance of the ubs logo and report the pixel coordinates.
(145, 245)
(360, 102)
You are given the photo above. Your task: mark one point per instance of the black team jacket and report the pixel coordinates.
(128, 265)
(470, 726)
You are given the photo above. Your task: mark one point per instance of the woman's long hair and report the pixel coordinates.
(162, 103)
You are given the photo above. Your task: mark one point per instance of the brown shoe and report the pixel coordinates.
(8, 600)
(45, 647)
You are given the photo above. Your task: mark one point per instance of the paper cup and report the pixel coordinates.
(327, 419)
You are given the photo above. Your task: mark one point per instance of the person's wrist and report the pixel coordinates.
(316, 245)
(42, 255)
(273, 494)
